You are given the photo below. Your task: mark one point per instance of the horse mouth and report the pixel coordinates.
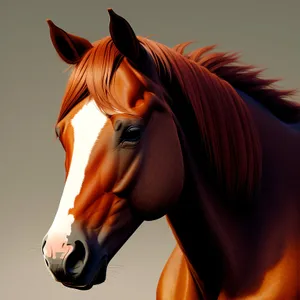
(79, 287)
(99, 278)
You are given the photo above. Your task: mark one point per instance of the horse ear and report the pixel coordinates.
(124, 37)
(69, 47)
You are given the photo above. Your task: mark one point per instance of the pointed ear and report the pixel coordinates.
(124, 37)
(69, 47)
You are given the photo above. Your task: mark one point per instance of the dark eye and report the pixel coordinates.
(132, 134)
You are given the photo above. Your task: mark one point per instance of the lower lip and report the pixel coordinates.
(83, 287)
(101, 276)
(98, 279)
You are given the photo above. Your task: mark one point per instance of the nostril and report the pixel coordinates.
(43, 246)
(76, 260)
(46, 262)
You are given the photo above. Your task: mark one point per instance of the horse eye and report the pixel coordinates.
(132, 134)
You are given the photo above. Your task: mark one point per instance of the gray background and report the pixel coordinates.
(32, 83)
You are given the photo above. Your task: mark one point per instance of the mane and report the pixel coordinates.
(206, 82)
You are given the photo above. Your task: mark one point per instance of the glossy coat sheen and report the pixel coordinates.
(148, 132)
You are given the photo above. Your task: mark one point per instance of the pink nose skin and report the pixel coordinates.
(77, 261)
(56, 249)
(65, 260)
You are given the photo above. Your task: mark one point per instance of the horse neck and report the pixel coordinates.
(217, 243)
(205, 236)
(209, 236)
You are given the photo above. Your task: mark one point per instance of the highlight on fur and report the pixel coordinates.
(198, 73)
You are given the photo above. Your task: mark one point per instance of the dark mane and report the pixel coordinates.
(247, 79)
(207, 82)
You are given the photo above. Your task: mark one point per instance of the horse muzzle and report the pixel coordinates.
(77, 264)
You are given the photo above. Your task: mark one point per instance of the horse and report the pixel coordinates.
(200, 138)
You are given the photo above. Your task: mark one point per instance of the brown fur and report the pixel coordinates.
(207, 81)
(230, 152)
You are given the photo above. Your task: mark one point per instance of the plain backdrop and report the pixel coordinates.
(32, 83)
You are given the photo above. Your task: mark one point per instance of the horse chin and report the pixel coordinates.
(81, 288)
(99, 278)
(149, 214)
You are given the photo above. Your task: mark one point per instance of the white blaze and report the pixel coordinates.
(87, 124)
